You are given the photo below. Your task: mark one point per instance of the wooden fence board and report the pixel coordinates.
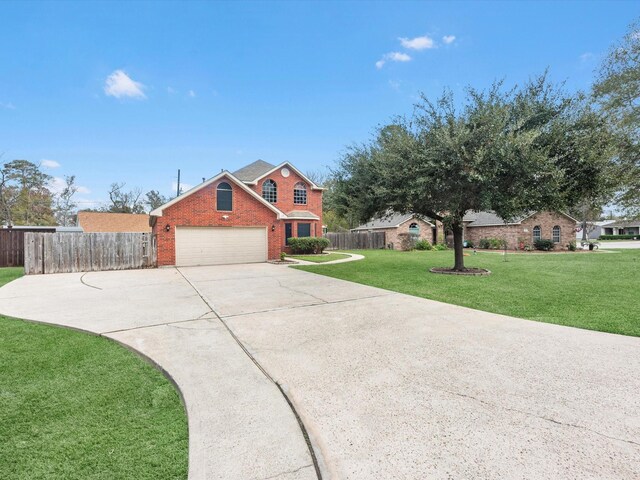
(11, 248)
(87, 252)
(356, 240)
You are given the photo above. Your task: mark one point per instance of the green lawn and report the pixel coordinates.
(78, 406)
(319, 258)
(597, 290)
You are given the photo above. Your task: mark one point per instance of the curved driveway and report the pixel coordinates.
(388, 385)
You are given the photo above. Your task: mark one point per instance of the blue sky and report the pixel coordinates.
(130, 92)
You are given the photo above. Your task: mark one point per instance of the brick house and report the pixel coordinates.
(558, 227)
(94, 222)
(240, 217)
(395, 225)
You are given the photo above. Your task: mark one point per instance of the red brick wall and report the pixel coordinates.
(285, 194)
(199, 210)
(515, 234)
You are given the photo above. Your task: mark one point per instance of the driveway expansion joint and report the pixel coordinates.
(286, 473)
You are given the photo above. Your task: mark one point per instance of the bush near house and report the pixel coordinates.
(620, 237)
(440, 246)
(544, 245)
(423, 245)
(407, 241)
(492, 243)
(308, 245)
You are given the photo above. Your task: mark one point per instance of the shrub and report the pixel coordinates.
(572, 246)
(308, 245)
(407, 241)
(544, 244)
(468, 244)
(282, 256)
(632, 236)
(440, 246)
(492, 243)
(423, 244)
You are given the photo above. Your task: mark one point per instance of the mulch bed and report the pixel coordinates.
(474, 272)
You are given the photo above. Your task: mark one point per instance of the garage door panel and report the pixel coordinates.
(220, 245)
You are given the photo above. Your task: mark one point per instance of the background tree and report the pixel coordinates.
(124, 201)
(154, 199)
(24, 195)
(65, 207)
(617, 91)
(503, 151)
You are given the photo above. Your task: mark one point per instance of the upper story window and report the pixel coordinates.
(414, 228)
(270, 191)
(224, 197)
(300, 194)
(556, 234)
(537, 233)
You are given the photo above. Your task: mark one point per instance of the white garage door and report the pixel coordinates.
(220, 245)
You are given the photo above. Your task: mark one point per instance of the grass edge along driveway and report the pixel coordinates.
(79, 406)
(591, 290)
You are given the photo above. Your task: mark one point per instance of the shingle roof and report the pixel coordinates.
(482, 219)
(302, 214)
(624, 224)
(387, 221)
(253, 171)
(113, 222)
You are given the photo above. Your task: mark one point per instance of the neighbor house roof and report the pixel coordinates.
(392, 220)
(92, 222)
(624, 224)
(253, 171)
(490, 219)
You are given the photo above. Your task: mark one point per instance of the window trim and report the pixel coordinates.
(417, 228)
(303, 189)
(272, 193)
(218, 189)
(553, 234)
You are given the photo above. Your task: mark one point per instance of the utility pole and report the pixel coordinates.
(178, 187)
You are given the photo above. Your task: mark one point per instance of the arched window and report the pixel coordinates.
(270, 191)
(414, 228)
(224, 197)
(556, 234)
(300, 194)
(537, 233)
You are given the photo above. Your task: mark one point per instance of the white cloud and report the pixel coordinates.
(50, 164)
(192, 94)
(58, 184)
(418, 43)
(392, 57)
(120, 85)
(448, 39)
(8, 106)
(183, 186)
(585, 57)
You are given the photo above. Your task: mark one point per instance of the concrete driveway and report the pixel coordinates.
(386, 385)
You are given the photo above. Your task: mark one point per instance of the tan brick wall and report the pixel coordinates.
(392, 233)
(516, 235)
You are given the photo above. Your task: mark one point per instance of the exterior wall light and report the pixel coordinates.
(273, 228)
(167, 228)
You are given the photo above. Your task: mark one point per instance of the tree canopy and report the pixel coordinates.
(25, 198)
(509, 151)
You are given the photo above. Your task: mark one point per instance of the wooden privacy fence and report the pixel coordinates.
(11, 248)
(87, 252)
(356, 240)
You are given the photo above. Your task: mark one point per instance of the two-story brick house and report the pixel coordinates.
(240, 217)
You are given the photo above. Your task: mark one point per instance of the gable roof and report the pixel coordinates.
(273, 169)
(92, 222)
(623, 224)
(392, 220)
(254, 170)
(158, 211)
(491, 219)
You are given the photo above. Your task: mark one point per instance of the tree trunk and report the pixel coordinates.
(458, 249)
(584, 230)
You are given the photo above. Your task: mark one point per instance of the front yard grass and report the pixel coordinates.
(78, 406)
(319, 258)
(596, 291)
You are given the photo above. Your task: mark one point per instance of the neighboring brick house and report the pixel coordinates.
(395, 224)
(558, 227)
(95, 222)
(239, 217)
(622, 227)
